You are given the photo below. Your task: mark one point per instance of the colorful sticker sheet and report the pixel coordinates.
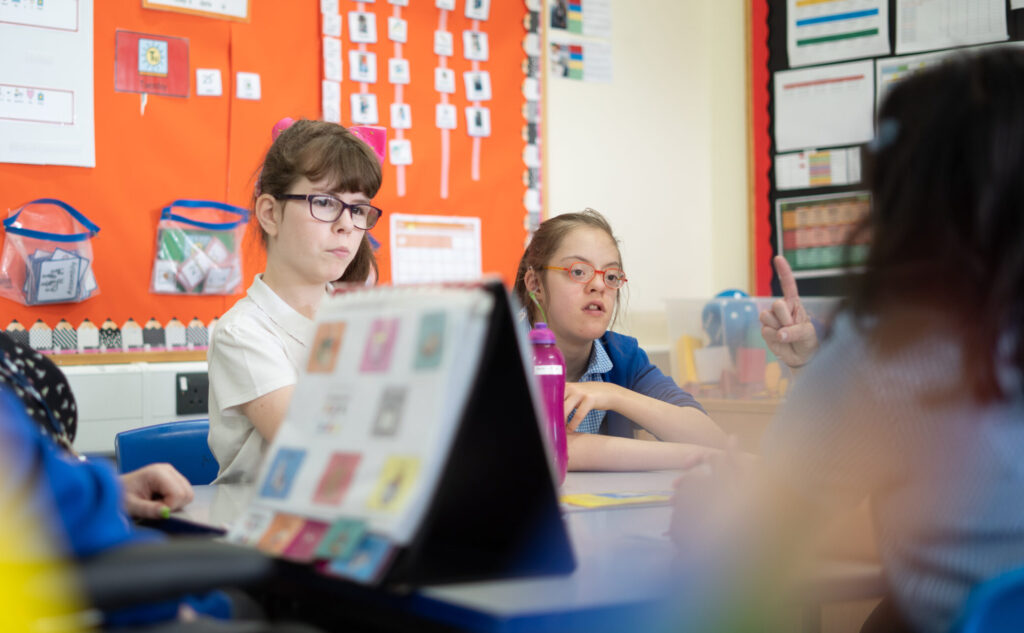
(355, 464)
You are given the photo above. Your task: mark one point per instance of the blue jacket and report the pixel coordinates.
(76, 503)
(633, 370)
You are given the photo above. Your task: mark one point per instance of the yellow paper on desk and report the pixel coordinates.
(602, 499)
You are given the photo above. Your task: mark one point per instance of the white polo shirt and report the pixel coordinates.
(257, 347)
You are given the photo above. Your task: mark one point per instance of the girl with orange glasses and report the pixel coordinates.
(570, 276)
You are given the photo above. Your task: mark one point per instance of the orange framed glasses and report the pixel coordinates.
(582, 272)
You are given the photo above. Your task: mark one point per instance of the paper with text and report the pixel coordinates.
(824, 106)
(433, 248)
(924, 25)
(832, 30)
(46, 83)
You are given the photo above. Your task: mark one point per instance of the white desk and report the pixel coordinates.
(625, 568)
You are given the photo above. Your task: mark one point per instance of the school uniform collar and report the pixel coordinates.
(600, 363)
(297, 325)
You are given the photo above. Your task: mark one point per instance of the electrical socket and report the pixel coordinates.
(192, 391)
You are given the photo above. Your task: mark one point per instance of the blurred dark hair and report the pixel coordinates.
(947, 215)
(322, 150)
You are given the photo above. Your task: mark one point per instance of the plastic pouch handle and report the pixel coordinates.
(91, 229)
(169, 214)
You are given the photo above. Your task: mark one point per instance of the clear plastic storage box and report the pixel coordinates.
(717, 350)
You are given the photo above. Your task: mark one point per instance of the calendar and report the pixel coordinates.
(431, 248)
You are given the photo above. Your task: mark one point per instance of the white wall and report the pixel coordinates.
(661, 151)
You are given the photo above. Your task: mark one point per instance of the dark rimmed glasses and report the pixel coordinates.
(582, 272)
(327, 208)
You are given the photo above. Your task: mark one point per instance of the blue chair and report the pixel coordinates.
(995, 606)
(181, 444)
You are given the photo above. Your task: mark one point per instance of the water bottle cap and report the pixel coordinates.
(541, 334)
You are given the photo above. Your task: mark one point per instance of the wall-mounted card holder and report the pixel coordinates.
(411, 452)
(199, 248)
(47, 254)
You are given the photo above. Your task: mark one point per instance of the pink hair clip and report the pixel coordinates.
(281, 126)
(373, 135)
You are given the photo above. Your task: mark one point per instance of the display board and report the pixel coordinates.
(152, 149)
(818, 70)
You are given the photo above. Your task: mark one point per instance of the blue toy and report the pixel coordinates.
(727, 317)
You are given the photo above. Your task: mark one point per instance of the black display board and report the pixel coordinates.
(778, 60)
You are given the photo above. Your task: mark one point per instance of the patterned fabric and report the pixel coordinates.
(42, 387)
(599, 365)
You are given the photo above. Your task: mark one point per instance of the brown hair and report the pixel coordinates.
(546, 240)
(321, 150)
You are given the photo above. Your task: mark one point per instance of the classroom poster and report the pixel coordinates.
(824, 106)
(817, 168)
(236, 10)
(592, 18)
(46, 83)
(429, 248)
(819, 32)
(816, 229)
(151, 64)
(580, 60)
(891, 70)
(924, 25)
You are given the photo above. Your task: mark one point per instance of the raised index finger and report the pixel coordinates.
(786, 280)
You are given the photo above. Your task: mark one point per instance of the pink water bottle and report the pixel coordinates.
(549, 372)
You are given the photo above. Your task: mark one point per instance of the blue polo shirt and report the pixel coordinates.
(619, 359)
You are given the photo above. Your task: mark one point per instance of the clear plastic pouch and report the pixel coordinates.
(199, 253)
(47, 254)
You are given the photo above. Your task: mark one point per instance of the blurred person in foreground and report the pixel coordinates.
(916, 400)
(58, 510)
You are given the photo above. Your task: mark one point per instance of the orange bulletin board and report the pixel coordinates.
(210, 147)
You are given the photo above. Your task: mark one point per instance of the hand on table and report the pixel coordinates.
(584, 397)
(786, 328)
(151, 489)
(712, 498)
